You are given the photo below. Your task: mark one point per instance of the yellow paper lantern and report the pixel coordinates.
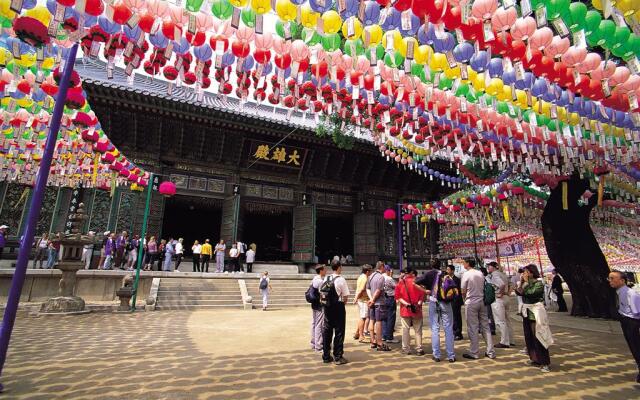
(48, 63)
(452, 73)
(404, 45)
(26, 60)
(286, 10)
(308, 17)
(396, 36)
(438, 62)
(375, 34)
(239, 3)
(261, 6)
(494, 87)
(357, 28)
(40, 13)
(505, 93)
(423, 54)
(331, 21)
(478, 83)
(5, 9)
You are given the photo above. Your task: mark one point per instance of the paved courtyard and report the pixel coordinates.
(235, 354)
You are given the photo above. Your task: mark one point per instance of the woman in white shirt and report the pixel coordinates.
(251, 257)
(196, 249)
(179, 248)
(234, 255)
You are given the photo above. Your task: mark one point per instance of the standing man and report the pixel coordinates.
(251, 257)
(335, 292)
(169, 251)
(179, 248)
(360, 299)
(234, 255)
(205, 254)
(220, 249)
(499, 307)
(440, 311)
(628, 301)
(3, 239)
(377, 309)
(389, 323)
(472, 285)
(456, 305)
(242, 249)
(317, 317)
(556, 287)
(121, 245)
(410, 298)
(109, 251)
(132, 257)
(87, 251)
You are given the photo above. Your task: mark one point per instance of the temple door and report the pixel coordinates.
(304, 234)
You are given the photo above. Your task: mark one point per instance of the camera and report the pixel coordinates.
(412, 308)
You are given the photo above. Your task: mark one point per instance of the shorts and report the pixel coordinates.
(378, 313)
(363, 309)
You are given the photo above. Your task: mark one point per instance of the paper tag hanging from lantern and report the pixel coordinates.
(487, 31)
(633, 65)
(525, 8)
(260, 23)
(541, 17)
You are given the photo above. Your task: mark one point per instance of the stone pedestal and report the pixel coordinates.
(124, 294)
(71, 246)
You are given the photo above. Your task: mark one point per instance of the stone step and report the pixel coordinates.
(196, 292)
(197, 307)
(201, 284)
(284, 269)
(163, 302)
(189, 297)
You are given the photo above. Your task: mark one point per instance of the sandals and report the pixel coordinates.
(363, 341)
(383, 347)
(374, 346)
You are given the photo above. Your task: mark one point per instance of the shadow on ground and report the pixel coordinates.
(246, 355)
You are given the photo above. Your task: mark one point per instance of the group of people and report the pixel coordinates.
(47, 250)
(378, 295)
(239, 254)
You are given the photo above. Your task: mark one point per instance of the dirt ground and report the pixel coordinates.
(237, 354)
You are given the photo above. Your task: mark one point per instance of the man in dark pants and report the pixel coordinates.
(556, 287)
(628, 302)
(456, 305)
(334, 293)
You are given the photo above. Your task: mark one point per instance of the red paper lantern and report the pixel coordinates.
(167, 188)
(122, 13)
(389, 214)
(31, 31)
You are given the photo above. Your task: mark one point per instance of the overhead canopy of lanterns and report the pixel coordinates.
(538, 87)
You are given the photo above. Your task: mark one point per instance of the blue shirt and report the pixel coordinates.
(628, 302)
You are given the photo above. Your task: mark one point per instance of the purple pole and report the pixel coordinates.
(34, 211)
(400, 238)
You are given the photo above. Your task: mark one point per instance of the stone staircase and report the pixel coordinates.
(198, 293)
(285, 292)
(275, 269)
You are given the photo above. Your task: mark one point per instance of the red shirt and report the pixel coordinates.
(405, 290)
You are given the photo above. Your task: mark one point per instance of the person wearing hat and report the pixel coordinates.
(317, 317)
(3, 238)
(472, 286)
(500, 306)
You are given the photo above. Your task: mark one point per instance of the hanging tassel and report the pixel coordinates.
(565, 195)
(94, 176)
(600, 190)
(505, 211)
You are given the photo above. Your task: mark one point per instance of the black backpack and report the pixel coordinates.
(264, 283)
(312, 295)
(328, 293)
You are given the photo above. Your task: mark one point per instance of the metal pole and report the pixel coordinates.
(497, 248)
(143, 233)
(400, 238)
(20, 272)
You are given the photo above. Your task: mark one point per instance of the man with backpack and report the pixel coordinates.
(317, 318)
(334, 294)
(473, 293)
(441, 289)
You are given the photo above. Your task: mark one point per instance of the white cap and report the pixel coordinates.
(4, 227)
(107, 233)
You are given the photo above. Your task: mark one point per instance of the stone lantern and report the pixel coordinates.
(72, 244)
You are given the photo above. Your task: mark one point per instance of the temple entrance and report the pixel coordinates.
(269, 227)
(192, 218)
(334, 235)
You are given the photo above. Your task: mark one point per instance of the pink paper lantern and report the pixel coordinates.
(389, 214)
(167, 188)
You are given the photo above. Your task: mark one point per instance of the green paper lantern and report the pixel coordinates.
(620, 37)
(310, 37)
(351, 45)
(194, 5)
(445, 83)
(331, 42)
(221, 9)
(575, 15)
(248, 17)
(555, 8)
(378, 50)
(393, 59)
(591, 22)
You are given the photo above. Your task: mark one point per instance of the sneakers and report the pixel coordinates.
(523, 351)
(327, 361)
(452, 360)
(436, 359)
(491, 356)
(420, 352)
(470, 356)
(341, 361)
(394, 341)
(501, 346)
(545, 369)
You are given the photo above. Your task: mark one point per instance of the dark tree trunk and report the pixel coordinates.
(575, 253)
